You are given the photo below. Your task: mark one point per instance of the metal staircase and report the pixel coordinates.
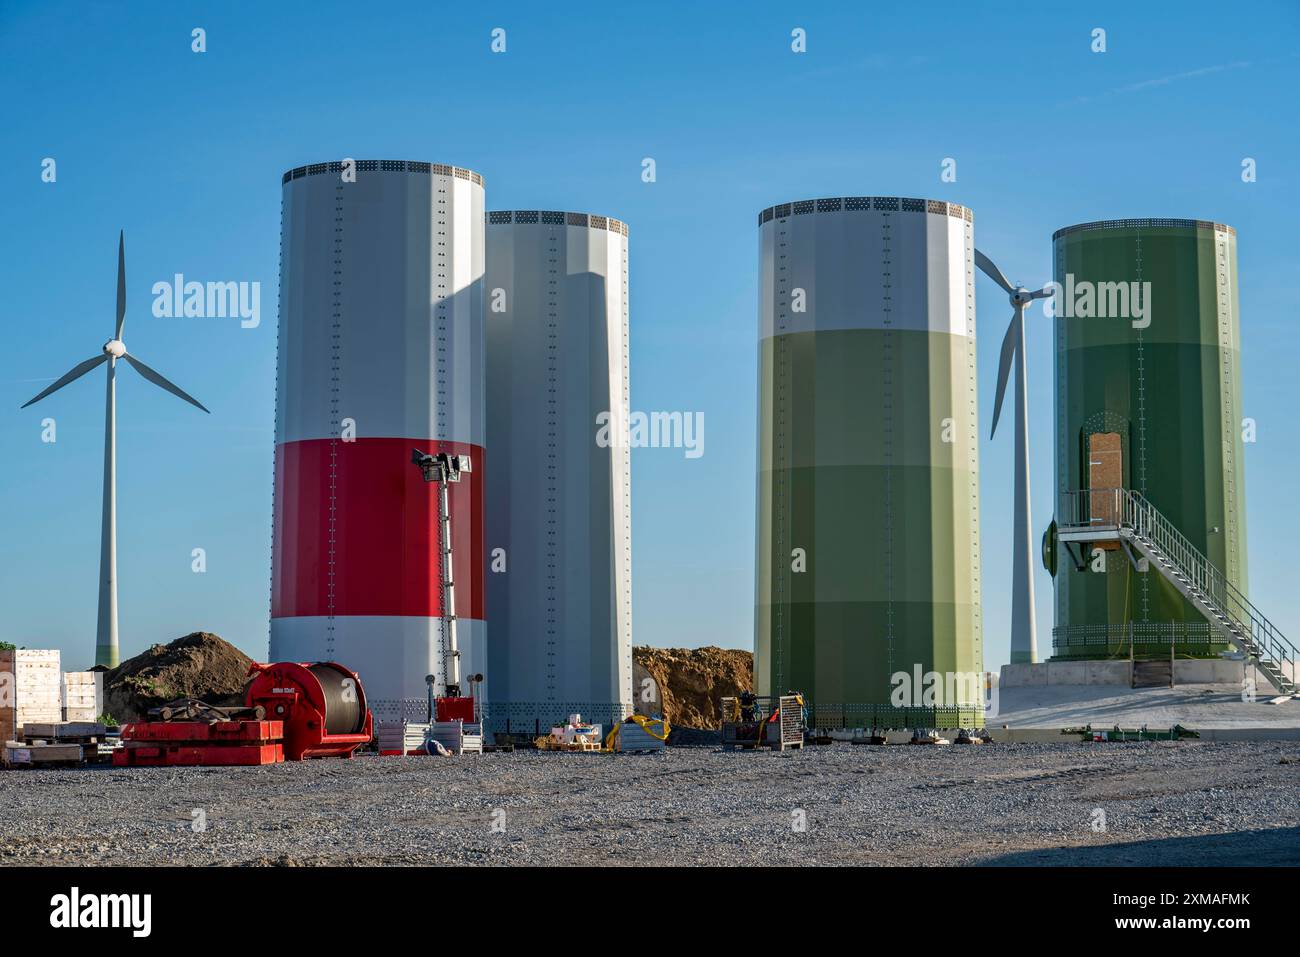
(1122, 515)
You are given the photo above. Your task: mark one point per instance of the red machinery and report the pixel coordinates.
(167, 743)
(453, 709)
(322, 706)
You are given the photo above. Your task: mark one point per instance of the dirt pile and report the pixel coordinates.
(692, 681)
(200, 665)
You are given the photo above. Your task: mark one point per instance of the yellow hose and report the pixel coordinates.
(644, 723)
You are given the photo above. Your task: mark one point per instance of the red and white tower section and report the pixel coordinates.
(381, 350)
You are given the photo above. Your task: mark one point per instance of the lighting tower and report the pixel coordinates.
(444, 469)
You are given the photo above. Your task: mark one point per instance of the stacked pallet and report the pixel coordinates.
(58, 742)
(19, 754)
(83, 695)
(30, 689)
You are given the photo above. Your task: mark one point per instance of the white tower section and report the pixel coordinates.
(380, 351)
(559, 579)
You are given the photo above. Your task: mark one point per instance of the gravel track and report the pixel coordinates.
(1165, 803)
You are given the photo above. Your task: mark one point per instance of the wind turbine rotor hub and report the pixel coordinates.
(114, 348)
(1021, 296)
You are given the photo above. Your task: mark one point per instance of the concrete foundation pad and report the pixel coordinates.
(1210, 709)
(1187, 671)
(1002, 735)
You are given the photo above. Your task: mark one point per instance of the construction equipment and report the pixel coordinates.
(445, 468)
(751, 721)
(188, 731)
(316, 710)
(1087, 734)
(577, 735)
(455, 725)
(322, 707)
(195, 709)
(207, 743)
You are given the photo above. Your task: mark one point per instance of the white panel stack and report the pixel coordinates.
(83, 695)
(30, 689)
(558, 489)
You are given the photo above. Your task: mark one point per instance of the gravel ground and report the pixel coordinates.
(1164, 803)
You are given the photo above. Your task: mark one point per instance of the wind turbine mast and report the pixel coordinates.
(1024, 629)
(106, 644)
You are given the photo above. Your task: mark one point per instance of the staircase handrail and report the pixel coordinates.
(1134, 511)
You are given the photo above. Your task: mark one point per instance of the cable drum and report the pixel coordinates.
(343, 711)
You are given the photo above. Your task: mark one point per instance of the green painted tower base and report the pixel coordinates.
(1148, 398)
(868, 598)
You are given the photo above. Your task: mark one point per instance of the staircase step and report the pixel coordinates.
(1152, 674)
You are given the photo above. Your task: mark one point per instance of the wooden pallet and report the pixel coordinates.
(21, 754)
(64, 730)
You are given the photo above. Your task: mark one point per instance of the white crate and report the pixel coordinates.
(83, 695)
(402, 736)
(37, 686)
(457, 736)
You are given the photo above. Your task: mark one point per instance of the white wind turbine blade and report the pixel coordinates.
(992, 271)
(76, 372)
(1010, 342)
(158, 380)
(121, 283)
(1043, 293)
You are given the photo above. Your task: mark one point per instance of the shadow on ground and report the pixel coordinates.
(1274, 847)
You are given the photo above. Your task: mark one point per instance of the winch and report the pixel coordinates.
(322, 707)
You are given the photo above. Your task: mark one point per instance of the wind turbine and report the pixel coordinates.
(106, 631)
(1024, 632)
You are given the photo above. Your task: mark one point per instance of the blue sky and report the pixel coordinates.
(185, 151)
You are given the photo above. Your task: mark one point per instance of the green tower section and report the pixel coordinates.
(1167, 384)
(868, 521)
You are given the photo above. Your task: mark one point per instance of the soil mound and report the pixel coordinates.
(200, 665)
(693, 681)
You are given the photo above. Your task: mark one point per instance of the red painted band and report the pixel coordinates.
(385, 538)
